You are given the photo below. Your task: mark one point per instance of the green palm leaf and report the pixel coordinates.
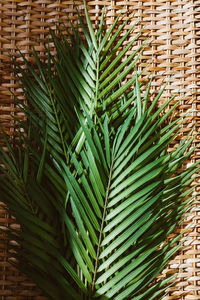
(90, 182)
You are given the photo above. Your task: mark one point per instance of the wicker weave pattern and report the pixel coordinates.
(174, 29)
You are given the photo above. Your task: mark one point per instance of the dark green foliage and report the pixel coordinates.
(90, 181)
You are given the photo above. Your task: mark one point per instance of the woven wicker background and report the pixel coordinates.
(174, 29)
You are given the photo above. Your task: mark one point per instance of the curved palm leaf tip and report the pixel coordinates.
(91, 183)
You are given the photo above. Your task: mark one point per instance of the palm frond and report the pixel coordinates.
(90, 180)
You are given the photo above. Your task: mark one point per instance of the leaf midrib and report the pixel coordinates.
(102, 226)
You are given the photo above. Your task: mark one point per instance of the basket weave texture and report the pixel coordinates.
(174, 29)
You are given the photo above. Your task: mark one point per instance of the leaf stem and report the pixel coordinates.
(96, 89)
(97, 82)
(59, 128)
(102, 227)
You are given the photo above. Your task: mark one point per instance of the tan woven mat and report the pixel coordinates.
(174, 29)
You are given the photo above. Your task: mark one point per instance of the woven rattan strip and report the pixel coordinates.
(174, 29)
